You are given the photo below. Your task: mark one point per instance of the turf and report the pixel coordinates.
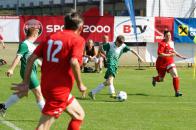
(147, 107)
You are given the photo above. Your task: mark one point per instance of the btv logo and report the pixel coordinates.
(183, 30)
(128, 28)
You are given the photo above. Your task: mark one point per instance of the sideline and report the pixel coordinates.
(9, 124)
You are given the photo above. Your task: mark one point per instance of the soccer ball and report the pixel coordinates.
(122, 96)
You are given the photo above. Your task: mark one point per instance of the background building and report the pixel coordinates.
(59, 7)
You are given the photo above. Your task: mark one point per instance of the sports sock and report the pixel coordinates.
(98, 88)
(41, 104)
(157, 79)
(74, 124)
(11, 100)
(111, 89)
(176, 82)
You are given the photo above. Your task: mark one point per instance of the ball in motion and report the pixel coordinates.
(122, 96)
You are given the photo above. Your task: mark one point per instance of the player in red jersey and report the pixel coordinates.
(62, 55)
(165, 62)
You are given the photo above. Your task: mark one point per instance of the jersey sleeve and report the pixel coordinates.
(126, 49)
(77, 49)
(161, 48)
(22, 49)
(106, 46)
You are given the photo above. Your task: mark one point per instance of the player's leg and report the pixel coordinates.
(85, 61)
(176, 81)
(100, 63)
(110, 75)
(96, 90)
(160, 77)
(9, 102)
(45, 122)
(35, 88)
(75, 110)
(96, 60)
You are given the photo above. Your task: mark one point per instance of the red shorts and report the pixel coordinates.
(55, 107)
(162, 70)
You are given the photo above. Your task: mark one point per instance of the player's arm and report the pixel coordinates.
(76, 71)
(136, 54)
(161, 53)
(13, 66)
(22, 88)
(166, 55)
(179, 55)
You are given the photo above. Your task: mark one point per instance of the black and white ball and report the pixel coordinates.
(122, 96)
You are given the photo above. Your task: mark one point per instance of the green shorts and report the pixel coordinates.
(111, 71)
(34, 82)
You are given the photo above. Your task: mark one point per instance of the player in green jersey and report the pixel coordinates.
(25, 49)
(113, 53)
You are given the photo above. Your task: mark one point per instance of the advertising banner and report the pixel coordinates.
(95, 27)
(185, 30)
(161, 24)
(9, 28)
(45, 24)
(144, 26)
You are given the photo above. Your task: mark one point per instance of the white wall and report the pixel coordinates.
(170, 8)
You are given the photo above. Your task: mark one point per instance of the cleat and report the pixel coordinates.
(153, 82)
(91, 95)
(113, 95)
(2, 109)
(178, 94)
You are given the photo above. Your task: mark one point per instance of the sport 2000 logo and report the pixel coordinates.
(33, 23)
(86, 28)
(94, 28)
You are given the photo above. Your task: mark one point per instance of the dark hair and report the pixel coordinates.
(31, 31)
(73, 20)
(165, 32)
(120, 39)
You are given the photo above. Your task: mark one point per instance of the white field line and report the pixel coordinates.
(9, 124)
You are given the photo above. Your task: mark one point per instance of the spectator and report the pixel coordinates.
(90, 54)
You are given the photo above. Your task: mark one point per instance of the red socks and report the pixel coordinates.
(157, 79)
(74, 124)
(176, 84)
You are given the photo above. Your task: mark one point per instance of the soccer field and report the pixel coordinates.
(147, 107)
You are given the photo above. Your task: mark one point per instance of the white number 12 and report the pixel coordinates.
(55, 52)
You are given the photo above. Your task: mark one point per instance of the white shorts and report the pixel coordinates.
(95, 59)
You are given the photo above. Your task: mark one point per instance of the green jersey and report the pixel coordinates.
(25, 49)
(113, 52)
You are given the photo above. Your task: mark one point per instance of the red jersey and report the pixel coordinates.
(57, 76)
(166, 48)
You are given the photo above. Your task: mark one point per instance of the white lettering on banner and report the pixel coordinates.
(128, 28)
(93, 28)
(192, 31)
(54, 28)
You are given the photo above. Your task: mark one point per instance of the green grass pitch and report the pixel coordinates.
(147, 107)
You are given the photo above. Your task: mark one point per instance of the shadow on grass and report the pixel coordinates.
(138, 94)
(98, 100)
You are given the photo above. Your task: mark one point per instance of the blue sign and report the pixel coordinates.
(185, 30)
